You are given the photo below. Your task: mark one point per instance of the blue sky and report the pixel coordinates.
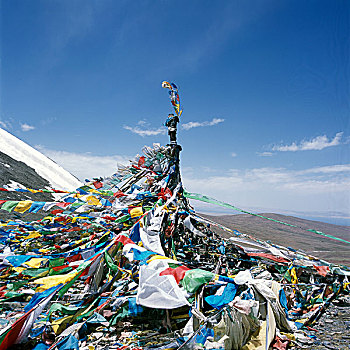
(264, 86)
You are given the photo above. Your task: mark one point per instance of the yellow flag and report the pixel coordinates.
(35, 262)
(135, 212)
(33, 234)
(92, 200)
(293, 275)
(51, 281)
(23, 206)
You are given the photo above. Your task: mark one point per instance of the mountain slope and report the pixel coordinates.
(45, 167)
(15, 174)
(295, 237)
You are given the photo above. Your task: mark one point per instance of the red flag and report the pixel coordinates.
(322, 270)
(62, 204)
(76, 257)
(97, 184)
(270, 256)
(141, 162)
(56, 211)
(119, 194)
(178, 273)
(124, 240)
(165, 194)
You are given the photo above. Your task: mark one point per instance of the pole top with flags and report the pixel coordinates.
(174, 96)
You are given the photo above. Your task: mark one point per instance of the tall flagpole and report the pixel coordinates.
(171, 123)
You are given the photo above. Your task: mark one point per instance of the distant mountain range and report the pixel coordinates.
(295, 237)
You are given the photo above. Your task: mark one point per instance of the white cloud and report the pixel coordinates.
(26, 127)
(318, 143)
(213, 122)
(187, 171)
(5, 124)
(233, 154)
(48, 121)
(145, 132)
(265, 154)
(328, 169)
(208, 169)
(85, 165)
(313, 189)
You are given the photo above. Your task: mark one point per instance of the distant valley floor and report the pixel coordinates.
(298, 238)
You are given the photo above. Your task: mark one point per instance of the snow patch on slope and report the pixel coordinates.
(13, 185)
(45, 167)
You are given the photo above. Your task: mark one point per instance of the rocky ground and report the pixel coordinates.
(332, 331)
